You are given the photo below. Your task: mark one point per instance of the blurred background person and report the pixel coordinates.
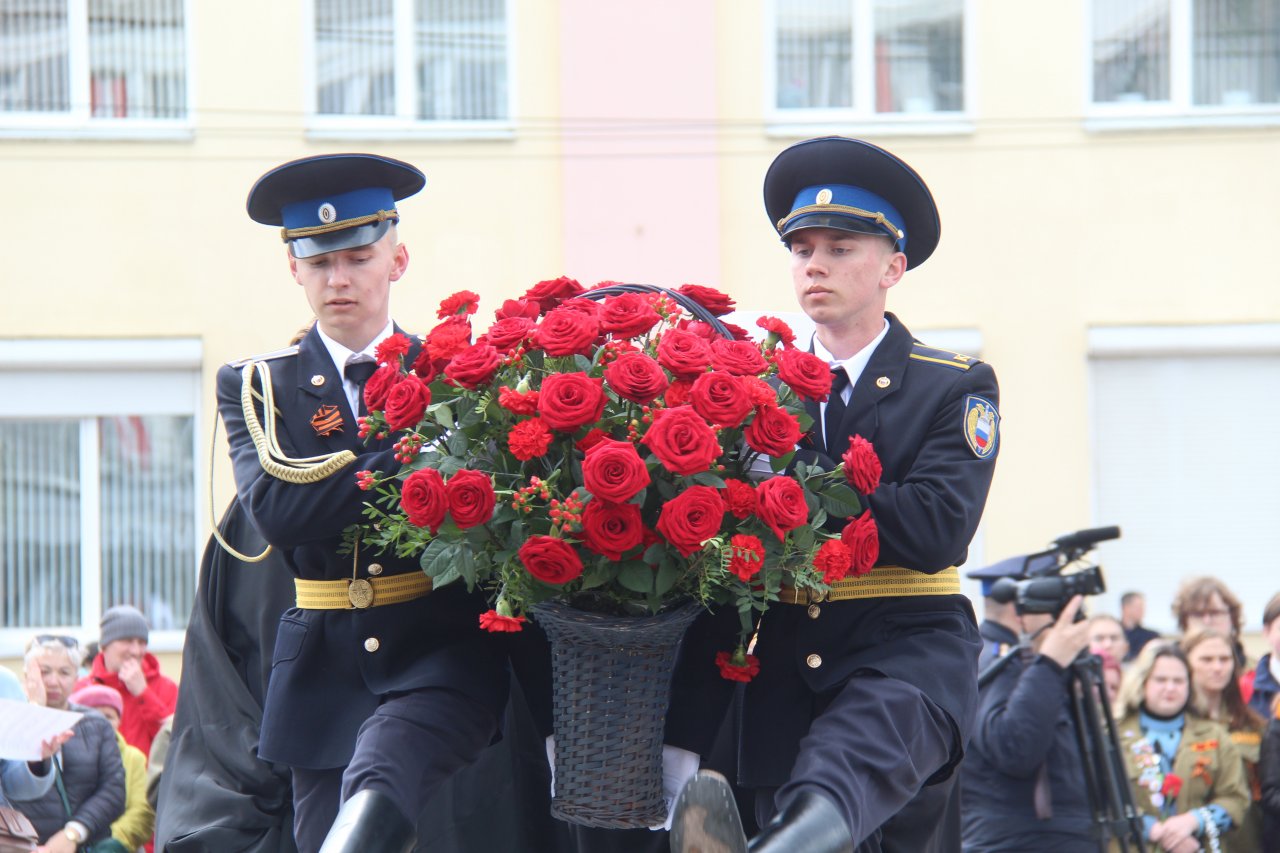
(1215, 695)
(1112, 674)
(26, 780)
(1186, 775)
(1269, 770)
(125, 665)
(1106, 634)
(1133, 608)
(132, 830)
(1261, 685)
(88, 790)
(1205, 602)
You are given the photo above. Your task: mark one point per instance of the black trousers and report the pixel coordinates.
(405, 750)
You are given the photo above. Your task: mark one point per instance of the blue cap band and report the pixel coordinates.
(841, 205)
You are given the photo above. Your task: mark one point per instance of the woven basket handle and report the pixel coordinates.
(688, 304)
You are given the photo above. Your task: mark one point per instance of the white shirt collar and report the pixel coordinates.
(856, 363)
(341, 355)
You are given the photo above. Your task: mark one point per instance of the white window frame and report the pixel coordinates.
(78, 122)
(402, 125)
(862, 118)
(104, 368)
(1178, 111)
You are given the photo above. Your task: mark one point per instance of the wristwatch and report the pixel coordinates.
(73, 835)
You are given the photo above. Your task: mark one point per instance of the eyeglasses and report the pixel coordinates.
(69, 642)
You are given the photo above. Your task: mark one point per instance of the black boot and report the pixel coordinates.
(370, 823)
(705, 818)
(811, 823)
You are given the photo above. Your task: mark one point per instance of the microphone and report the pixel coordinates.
(1085, 539)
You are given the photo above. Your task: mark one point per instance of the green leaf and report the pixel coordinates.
(780, 463)
(706, 478)
(802, 537)
(459, 444)
(842, 501)
(450, 465)
(637, 577)
(598, 575)
(443, 415)
(583, 363)
(668, 575)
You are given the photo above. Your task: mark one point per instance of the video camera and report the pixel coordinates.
(1045, 588)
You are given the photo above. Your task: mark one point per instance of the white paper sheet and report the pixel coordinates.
(24, 726)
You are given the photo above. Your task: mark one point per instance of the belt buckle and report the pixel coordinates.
(816, 597)
(360, 593)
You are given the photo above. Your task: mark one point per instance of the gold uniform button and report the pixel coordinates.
(375, 569)
(814, 611)
(814, 661)
(883, 382)
(317, 380)
(371, 644)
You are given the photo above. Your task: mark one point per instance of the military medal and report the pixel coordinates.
(327, 420)
(360, 593)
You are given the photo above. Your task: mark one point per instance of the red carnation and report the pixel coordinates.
(773, 432)
(508, 333)
(529, 439)
(741, 358)
(708, 297)
(550, 560)
(517, 403)
(422, 498)
(808, 375)
(861, 465)
(614, 471)
(628, 315)
(379, 385)
(780, 504)
(611, 529)
(548, 294)
(391, 349)
(492, 620)
(739, 497)
(407, 402)
(683, 353)
(1171, 785)
(463, 303)
(470, 497)
(446, 340)
(862, 539)
(678, 393)
(682, 441)
(746, 556)
(833, 560)
(778, 330)
(636, 377)
(567, 332)
(473, 367)
(738, 665)
(691, 518)
(721, 398)
(570, 400)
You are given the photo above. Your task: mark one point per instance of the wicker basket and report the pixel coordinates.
(612, 683)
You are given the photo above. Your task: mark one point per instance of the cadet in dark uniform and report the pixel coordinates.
(864, 701)
(1000, 625)
(380, 688)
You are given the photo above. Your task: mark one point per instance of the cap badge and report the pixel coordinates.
(327, 420)
(981, 426)
(327, 213)
(824, 196)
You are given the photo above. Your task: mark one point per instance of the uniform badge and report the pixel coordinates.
(327, 420)
(981, 425)
(824, 196)
(327, 213)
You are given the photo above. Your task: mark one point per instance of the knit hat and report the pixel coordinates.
(122, 622)
(99, 696)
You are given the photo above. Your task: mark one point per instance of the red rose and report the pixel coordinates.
(780, 504)
(682, 441)
(737, 666)
(746, 556)
(516, 403)
(861, 465)
(570, 400)
(721, 398)
(551, 292)
(614, 471)
(379, 385)
(684, 353)
(699, 328)
(464, 303)
(589, 307)
(678, 393)
(777, 329)
(407, 402)
(517, 308)
(446, 340)
(737, 332)
(529, 439)
(567, 332)
(492, 620)
(708, 297)
(628, 315)
(473, 367)
(833, 560)
(741, 358)
(470, 497)
(391, 348)
(508, 333)
(739, 497)
(808, 375)
(591, 439)
(636, 377)
(862, 539)
(691, 518)
(550, 560)
(423, 499)
(773, 432)
(611, 529)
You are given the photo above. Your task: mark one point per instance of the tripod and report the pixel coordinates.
(1113, 813)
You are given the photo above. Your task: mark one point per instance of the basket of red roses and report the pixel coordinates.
(610, 461)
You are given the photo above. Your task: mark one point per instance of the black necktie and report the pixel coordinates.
(359, 373)
(835, 412)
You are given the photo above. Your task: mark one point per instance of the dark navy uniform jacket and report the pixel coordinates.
(997, 640)
(330, 667)
(910, 402)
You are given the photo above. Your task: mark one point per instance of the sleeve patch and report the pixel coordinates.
(981, 426)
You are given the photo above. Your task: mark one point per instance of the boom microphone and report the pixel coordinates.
(1084, 539)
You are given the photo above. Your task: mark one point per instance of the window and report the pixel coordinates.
(1199, 56)
(411, 63)
(81, 63)
(873, 59)
(97, 483)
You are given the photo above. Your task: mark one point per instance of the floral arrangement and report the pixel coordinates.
(620, 449)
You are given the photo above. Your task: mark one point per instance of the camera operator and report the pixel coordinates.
(1022, 781)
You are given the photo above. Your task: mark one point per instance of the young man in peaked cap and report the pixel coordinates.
(380, 687)
(860, 712)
